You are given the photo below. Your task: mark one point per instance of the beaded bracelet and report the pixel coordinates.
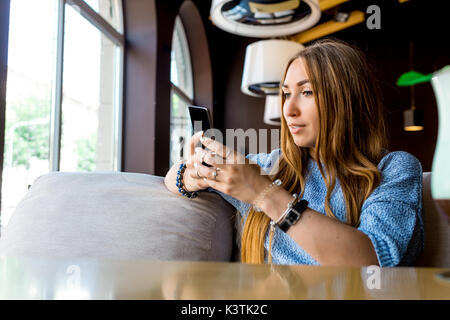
(180, 184)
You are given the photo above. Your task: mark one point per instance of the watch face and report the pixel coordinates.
(293, 216)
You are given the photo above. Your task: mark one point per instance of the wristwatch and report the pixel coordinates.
(292, 215)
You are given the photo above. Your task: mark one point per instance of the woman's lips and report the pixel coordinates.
(296, 129)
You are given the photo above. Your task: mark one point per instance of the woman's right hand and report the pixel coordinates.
(193, 181)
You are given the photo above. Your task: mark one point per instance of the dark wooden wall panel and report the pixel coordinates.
(139, 86)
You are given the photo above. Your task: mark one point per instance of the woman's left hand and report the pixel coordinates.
(235, 175)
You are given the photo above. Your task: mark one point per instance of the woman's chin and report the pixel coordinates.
(301, 143)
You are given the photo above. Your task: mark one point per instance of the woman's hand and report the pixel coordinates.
(192, 181)
(231, 172)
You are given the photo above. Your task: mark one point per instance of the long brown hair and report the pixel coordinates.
(349, 144)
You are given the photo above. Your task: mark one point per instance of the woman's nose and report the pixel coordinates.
(290, 108)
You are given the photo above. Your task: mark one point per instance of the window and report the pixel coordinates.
(110, 10)
(182, 94)
(87, 127)
(64, 91)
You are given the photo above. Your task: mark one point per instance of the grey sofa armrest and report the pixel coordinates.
(114, 215)
(437, 231)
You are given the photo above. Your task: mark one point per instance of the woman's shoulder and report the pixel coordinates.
(265, 160)
(400, 163)
(394, 163)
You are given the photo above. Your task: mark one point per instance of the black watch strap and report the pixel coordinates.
(293, 215)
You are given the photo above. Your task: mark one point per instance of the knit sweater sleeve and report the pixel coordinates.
(392, 215)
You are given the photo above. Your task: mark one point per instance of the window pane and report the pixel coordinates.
(89, 108)
(110, 10)
(180, 66)
(180, 128)
(31, 58)
(181, 77)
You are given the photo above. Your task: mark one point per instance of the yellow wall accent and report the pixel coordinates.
(328, 27)
(327, 4)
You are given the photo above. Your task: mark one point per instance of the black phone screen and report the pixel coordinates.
(200, 118)
(201, 121)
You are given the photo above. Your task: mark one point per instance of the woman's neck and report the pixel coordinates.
(312, 153)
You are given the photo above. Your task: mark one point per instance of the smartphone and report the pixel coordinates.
(200, 114)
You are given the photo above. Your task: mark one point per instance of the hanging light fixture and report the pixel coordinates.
(264, 19)
(264, 64)
(272, 110)
(412, 118)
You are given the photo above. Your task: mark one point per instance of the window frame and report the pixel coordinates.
(185, 48)
(118, 39)
(175, 89)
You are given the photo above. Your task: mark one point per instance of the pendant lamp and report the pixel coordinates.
(412, 118)
(272, 110)
(263, 18)
(264, 65)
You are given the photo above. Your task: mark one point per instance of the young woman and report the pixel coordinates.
(363, 204)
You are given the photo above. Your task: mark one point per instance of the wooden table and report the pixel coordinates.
(33, 278)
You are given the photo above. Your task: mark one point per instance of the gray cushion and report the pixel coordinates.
(116, 215)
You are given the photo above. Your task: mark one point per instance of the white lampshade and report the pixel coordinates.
(272, 111)
(264, 65)
(264, 20)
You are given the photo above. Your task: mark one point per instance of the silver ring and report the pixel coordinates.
(215, 175)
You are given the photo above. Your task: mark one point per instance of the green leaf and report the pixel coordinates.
(411, 78)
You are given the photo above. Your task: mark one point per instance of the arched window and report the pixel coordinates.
(182, 94)
(64, 91)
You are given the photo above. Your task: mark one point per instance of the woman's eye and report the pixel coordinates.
(286, 95)
(307, 93)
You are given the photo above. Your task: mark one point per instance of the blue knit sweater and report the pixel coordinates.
(391, 217)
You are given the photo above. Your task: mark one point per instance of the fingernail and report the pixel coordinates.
(204, 179)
